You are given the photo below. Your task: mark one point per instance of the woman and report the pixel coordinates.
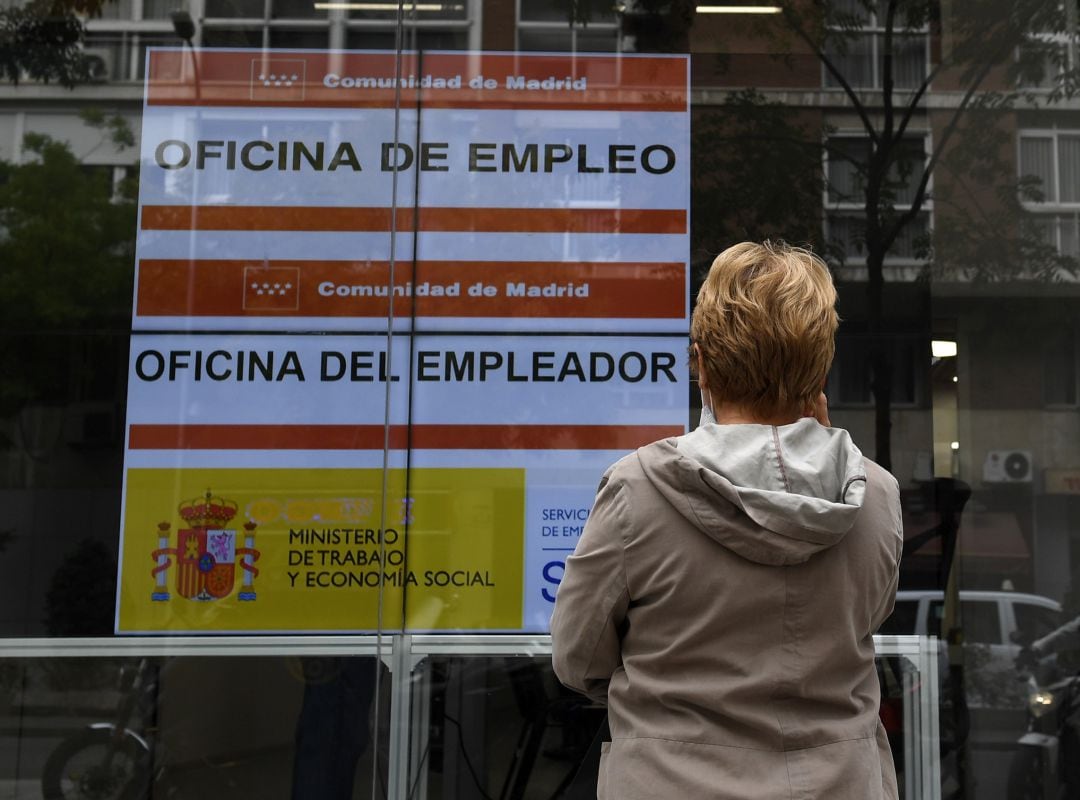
(723, 595)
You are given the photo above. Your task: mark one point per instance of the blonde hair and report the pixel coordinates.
(765, 324)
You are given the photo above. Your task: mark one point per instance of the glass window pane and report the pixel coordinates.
(1070, 237)
(1059, 368)
(233, 37)
(8, 126)
(907, 369)
(544, 11)
(296, 9)
(558, 11)
(912, 241)
(909, 60)
(299, 726)
(851, 374)
(442, 40)
(1037, 162)
(597, 40)
(847, 158)
(551, 41)
(235, 8)
(847, 233)
(422, 11)
(1040, 63)
(370, 40)
(415, 39)
(309, 39)
(906, 171)
(122, 9)
(158, 9)
(852, 12)
(853, 57)
(1069, 168)
(1043, 229)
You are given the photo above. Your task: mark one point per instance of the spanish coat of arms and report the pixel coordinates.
(207, 553)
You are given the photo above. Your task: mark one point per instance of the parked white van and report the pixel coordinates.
(989, 618)
(989, 621)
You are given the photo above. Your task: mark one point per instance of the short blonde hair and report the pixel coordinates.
(765, 324)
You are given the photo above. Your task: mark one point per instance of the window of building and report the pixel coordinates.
(1049, 171)
(846, 158)
(423, 39)
(297, 9)
(422, 12)
(226, 9)
(543, 25)
(1047, 51)
(1050, 167)
(856, 47)
(117, 42)
(1059, 369)
(1042, 62)
(852, 375)
(1059, 231)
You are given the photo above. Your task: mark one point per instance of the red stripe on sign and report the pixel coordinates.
(230, 288)
(320, 79)
(371, 437)
(362, 219)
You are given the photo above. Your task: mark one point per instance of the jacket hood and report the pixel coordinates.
(774, 495)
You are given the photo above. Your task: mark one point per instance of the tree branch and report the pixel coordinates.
(856, 101)
(887, 68)
(924, 87)
(935, 156)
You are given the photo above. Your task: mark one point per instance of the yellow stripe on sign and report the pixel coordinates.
(450, 557)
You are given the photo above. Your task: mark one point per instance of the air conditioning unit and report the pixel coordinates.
(1008, 466)
(99, 64)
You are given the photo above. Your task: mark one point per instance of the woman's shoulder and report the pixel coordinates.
(630, 470)
(877, 473)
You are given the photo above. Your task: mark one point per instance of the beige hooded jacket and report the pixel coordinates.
(722, 601)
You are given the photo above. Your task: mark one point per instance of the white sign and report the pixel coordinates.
(523, 219)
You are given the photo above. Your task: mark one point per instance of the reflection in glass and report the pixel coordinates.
(556, 11)
(235, 8)
(296, 9)
(1037, 162)
(1060, 368)
(994, 246)
(419, 12)
(310, 39)
(158, 9)
(504, 727)
(233, 37)
(415, 39)
(140, 728)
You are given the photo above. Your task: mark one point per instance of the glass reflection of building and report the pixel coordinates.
(978, 324)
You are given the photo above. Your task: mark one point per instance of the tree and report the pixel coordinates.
(41, 40)
(989, 51)
(82, 592)
(757, 170)
(67, 250)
